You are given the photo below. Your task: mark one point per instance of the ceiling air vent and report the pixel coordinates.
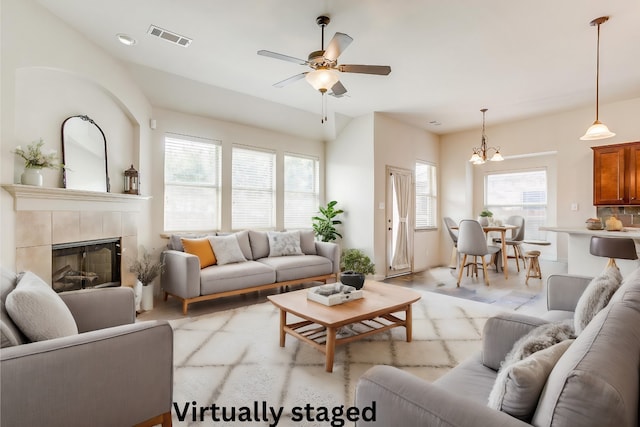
(169, 36)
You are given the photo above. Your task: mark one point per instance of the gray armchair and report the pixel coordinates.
(114, 372)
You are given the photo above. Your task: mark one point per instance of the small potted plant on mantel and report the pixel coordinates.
(146, 270)
(36, 159)
(355, 265)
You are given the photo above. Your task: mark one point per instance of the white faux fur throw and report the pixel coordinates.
(542, 337)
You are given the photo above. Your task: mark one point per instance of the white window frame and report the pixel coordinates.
(428, 190)
(209, 192)
(265, 184)
(502, 210)
(312, 196)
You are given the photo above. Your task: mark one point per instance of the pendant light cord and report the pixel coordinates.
(598, 73)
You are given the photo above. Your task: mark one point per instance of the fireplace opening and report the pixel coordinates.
(89, 264)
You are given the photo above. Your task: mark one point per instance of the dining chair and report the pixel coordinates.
(517, 237)
(473, 241)
(449, 223)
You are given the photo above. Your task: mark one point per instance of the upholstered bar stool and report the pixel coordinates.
(612, 248)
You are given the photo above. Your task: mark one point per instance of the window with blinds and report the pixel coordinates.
(191, 183)
(301, 190)
(253, 188)
(522, 193)
(426, 196)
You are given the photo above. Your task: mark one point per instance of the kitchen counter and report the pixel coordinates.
(581, 262)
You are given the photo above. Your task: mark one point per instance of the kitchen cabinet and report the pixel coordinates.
(616, 174)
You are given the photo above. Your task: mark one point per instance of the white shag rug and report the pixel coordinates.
(229, 369)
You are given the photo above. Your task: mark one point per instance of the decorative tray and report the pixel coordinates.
(333, 294)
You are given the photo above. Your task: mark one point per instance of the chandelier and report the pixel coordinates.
(597, 130)
(479, 155)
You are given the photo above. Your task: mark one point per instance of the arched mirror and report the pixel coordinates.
(84, 154)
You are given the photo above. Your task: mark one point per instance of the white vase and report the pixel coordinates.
(147, 298)
(31, 176)
(483, 220)
(137, 290)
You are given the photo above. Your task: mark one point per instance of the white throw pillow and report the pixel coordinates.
(227, 249)
(283, 243)
(39, 311)
(518, 386)
(596, 296)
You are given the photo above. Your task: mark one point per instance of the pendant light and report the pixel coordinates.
(479, 155)
(597, 130)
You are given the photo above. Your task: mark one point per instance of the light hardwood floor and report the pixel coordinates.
(511, 293)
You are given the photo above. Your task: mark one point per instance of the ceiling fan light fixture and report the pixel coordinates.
(597, 130)
(322, 79)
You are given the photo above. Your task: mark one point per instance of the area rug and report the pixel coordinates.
(229, 369)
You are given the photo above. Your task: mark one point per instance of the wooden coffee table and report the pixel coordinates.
(372, 314)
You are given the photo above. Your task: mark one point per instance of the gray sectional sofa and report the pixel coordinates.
(594, 383)
(183, 278)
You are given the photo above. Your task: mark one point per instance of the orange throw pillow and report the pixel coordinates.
(202, 249)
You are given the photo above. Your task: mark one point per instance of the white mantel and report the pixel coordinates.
(581, 262)
(34, 198)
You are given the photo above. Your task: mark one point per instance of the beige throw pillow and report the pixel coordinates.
(519, 385)
(227, 249)
(39, 311)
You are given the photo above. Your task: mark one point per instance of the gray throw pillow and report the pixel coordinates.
(226, 249)
(308, 242)
(283, 243)
(39, 311)
(596, 296)
(518, 386)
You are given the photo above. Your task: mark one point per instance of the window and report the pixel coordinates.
(426, 195)
(191, 183)
(253, 188)
(301, 190)
(521, 193)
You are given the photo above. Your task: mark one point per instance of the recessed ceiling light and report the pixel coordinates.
(126, 39)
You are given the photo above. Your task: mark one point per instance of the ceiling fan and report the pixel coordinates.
(324, 63)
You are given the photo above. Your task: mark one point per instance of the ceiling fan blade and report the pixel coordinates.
(337, 45)
(290, 80)
(338, 89)
(382, 70)
(282, 57)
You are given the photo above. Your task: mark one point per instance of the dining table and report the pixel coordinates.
(502, 229)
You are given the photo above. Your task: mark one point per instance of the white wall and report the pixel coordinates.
(558, 133)
(169, 121)
(350, 181)
(50, 72)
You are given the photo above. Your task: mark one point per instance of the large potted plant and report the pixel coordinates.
(146, 270)
(324, 224)
(355, 265)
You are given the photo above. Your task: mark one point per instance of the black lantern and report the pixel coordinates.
(131, 181)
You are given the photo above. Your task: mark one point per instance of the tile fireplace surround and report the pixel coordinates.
(48, 216)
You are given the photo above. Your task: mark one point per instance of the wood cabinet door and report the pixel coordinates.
(609, 175)
(634, 174)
